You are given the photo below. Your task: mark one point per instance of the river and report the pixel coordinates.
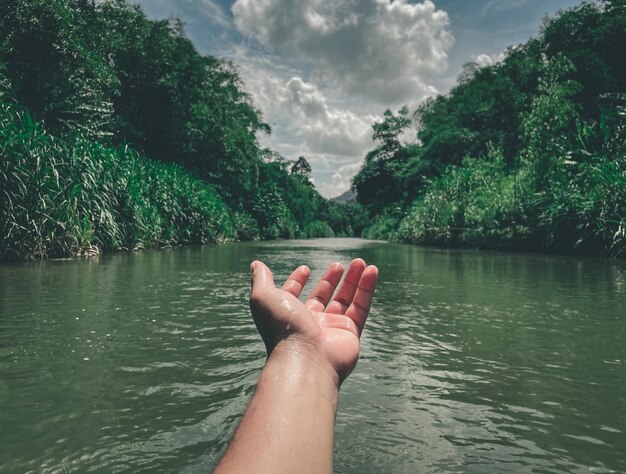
(471, 361)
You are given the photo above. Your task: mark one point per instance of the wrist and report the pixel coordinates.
(300, 363)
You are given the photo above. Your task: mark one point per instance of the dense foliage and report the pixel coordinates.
(528, 153)
(69, 196)
(116, 133)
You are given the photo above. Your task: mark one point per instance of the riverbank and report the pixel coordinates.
(482, 204)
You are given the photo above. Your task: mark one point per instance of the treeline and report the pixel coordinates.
(528, 153)
(117, 134)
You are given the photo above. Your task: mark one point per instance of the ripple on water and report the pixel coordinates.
(471, 361)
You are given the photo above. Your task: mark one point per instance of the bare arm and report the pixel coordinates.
(312, 347)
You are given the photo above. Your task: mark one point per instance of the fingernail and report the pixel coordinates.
(252, 267)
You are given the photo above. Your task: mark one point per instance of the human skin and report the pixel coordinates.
(312, 347)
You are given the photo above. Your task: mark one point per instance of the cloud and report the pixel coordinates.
(298, 109)
(340, 180)
(213, 11)
(332, 136)
(493, 7)
(325, 129)
(484, 60)
(384, 51)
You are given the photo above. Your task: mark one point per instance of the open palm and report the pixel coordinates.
(330, 325)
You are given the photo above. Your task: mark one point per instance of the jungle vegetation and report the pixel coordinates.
(115, 133)
(528, 153)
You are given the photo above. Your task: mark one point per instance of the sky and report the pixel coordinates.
(323, 71)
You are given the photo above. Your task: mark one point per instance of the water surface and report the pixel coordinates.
(471, 361)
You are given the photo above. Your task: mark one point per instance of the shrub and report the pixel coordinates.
(318, 229)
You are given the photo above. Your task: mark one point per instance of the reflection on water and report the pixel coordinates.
(471, 361)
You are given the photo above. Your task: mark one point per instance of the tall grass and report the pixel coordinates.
(64, 195)
(484, 204)
(478, 204)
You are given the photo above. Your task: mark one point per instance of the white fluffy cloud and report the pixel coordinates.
(325, 129)
(331, 136)
(483, 60)
(301, 109)
(386, 51)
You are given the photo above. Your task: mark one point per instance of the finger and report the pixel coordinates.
(262, 278)
(323, 291)
(297, 280)
(348, 287)
(362, 301)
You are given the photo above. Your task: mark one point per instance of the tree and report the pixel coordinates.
(387, 133)
(591, 37)
(56, 64)
(302, 168)
(548, 128)
(375, 183)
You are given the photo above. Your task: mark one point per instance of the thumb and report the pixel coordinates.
(262, 277)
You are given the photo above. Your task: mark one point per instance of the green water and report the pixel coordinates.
(471, 361)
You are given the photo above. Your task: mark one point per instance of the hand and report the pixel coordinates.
(325, 329)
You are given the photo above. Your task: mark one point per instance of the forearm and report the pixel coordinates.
(288, 426)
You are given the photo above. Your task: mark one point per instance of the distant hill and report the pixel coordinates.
(348, 197)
